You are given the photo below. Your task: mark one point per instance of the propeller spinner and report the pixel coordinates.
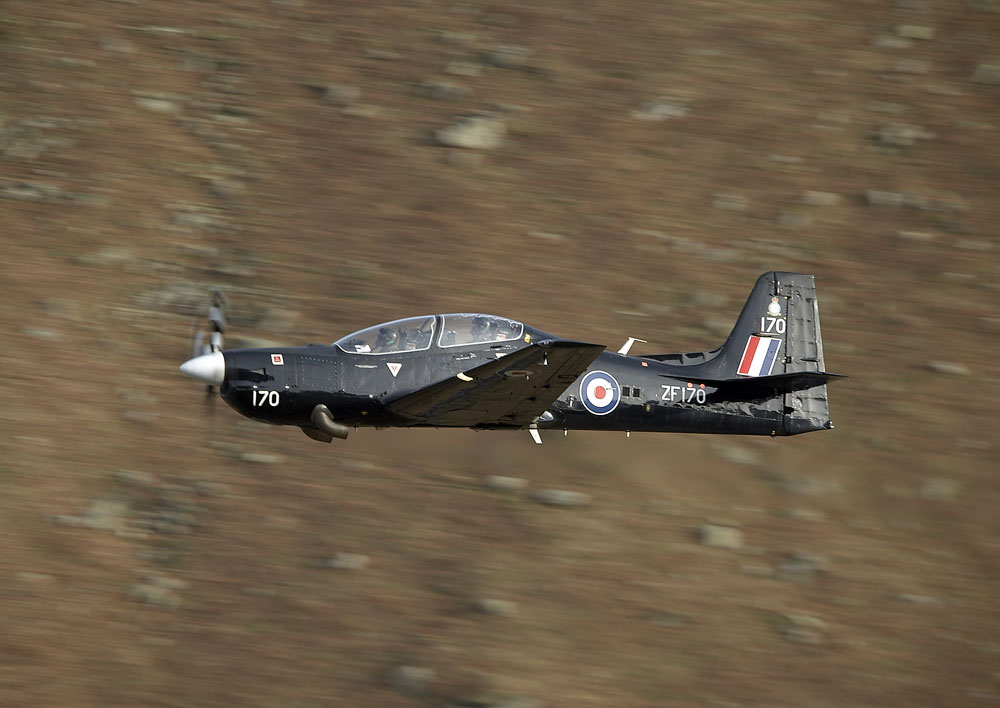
(209, 368)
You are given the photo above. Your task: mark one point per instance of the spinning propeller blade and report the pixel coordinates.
(207, 363)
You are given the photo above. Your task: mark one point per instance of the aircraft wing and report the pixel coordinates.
(512, 390)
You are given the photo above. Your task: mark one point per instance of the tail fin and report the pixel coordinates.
(776, 348)
(777, 331)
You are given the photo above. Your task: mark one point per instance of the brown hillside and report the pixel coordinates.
(648, 161)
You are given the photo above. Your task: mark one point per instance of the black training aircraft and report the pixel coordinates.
(488, 372)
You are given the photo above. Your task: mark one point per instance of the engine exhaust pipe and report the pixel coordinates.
(325, 423)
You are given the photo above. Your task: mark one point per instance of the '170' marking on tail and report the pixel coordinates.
(772, 324)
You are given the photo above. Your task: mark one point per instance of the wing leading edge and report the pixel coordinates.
(510, 391)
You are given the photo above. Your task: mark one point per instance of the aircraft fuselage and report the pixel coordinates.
(643, 395)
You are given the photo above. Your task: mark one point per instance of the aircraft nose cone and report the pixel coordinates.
(210, 368)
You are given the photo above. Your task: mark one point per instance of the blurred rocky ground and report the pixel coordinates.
(600, 169)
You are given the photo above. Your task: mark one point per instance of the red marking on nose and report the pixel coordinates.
(600, 392)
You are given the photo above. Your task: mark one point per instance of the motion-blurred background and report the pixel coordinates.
(629, 168)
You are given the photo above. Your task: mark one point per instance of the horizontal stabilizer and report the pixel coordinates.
(766, 386)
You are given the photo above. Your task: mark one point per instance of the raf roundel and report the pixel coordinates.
(600, 392)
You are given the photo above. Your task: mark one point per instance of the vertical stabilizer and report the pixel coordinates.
(777, 333)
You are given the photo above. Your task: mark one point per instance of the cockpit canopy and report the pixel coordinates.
(417, 333)
(410, 334)
(463, 329)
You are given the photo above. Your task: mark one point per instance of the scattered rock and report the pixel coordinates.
(891, 41)
(940, 489)
(502, 483)
(37, 192)
(973, 244)
(410, 680)
(508, 56)
(29, 577)
(225, 187)
(561, 497)
(461, 39)
(795, 483)
(116, 44)
(46, 335)
(785, 159)
(801, 620)
(484, 132)
(885, 107)
(211, 489)
(718, 536)
(986, 74)
(497, 608)
(802, 629)
(383, 54)
(191, 216)
(546, 236)
(361, 110)
(887, 199)
(662, 109)
(136, 478)
(158, 103)
(107, 514)
(731, 202)
(260, 458)
(919, 599)
(163, 581)
(915, 31)
(340, 94)
(901, 134)
(801, 567)
(949, 367)
(463, 68)
(943, 90)
(441, 91)
(107, 256)
(348, 561)
(800, 514)
(164, 31)
(791, 218)
(911, 66)
(731, 452)
(914, 236)
(156, 594)
(813, 198)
